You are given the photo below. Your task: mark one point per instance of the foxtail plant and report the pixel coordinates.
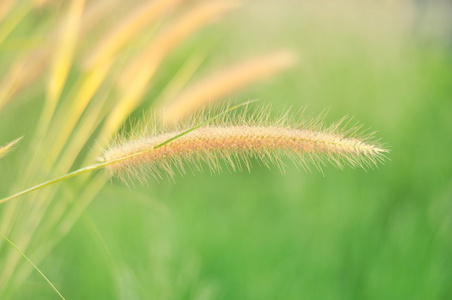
(233, 139)
(90, 103)
(223, 82)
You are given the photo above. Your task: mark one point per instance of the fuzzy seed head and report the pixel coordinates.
(236, 142)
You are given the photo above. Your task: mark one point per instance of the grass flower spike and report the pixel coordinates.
(236, 140)
(6, 149)
(222, 83)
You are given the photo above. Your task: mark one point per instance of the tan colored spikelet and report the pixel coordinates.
(22, 73)
(225, 82)
(6, 149)
(184, 26)
(238, 139)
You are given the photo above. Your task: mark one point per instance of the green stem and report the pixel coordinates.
(34, 266)
(55, 180)
(106, 163)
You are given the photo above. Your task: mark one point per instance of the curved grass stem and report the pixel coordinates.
(55, 180)
(34, 266)
(101, 165)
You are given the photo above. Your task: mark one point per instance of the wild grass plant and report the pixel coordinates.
(87, 83)
(80, 109)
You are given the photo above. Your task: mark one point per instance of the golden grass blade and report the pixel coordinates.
(99, 68)
(27, 69)
(135, 22)
(225, 82)
(12, 211)
(6, 149)
(16, 17)
(135, 77)
(82, 133)
(180, 29)
(61, 64)
(64, 53)
(37, 156)
(84, 94)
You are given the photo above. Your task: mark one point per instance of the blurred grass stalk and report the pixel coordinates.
(93, 102)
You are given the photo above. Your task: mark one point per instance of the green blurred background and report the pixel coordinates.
(347, 234)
